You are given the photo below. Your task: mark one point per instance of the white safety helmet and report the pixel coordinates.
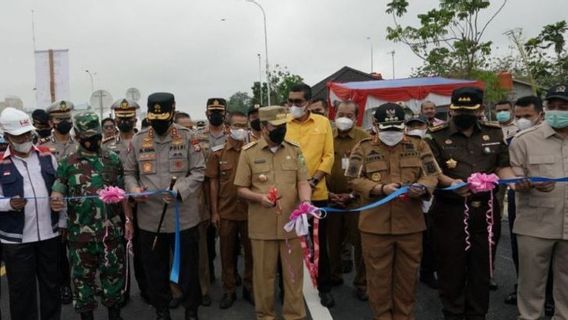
(15, 122)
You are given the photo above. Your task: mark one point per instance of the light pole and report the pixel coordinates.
(260, 77)
(92, 80)
(265, 46)
(371, 43)
(392, 54)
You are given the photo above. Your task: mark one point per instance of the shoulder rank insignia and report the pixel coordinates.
(491, 124)
(249, 145)
(438, 128)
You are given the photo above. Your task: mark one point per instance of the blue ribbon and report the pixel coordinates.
(174, 274)
(404, 189)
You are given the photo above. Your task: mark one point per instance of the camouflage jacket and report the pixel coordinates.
(81, 174)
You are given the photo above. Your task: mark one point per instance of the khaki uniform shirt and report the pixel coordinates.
(118, 146)
(408, 162)
(60, 149)
(222, 165)
(541, 152)
(337, 182)
(152, 162)
(509, 130)
(260, 169)
(459, 156)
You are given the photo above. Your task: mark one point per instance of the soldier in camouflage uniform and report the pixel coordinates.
(61, 144)
(94, 229)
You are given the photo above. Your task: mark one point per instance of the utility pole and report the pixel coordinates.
(260, 77)
(371, 44)
(392, 55)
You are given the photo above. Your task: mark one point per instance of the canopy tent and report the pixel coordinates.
(412, 91)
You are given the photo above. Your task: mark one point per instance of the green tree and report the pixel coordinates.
(449, 39)
(547, 54)
(239, 101)
(281, 80)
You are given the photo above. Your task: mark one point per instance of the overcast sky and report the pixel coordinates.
(200, 49)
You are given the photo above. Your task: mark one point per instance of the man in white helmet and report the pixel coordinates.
(29, 230)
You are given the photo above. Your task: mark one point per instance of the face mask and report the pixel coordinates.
(391, 137)
(160, 126)
(417, 132)
(556, 119)
(91, 144)
(297, 112)
(255, 124)
(23, 147)
(343, 123)
(465, 121)
(277, 135)
(216, 118)
(238, 134)
(44, 133)
(524, 123)
(503, 116)
(64, 127)
(125, 126)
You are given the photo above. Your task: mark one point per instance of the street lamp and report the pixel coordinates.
(392, 54)
(260, 77)
(371, 43)
(265, 46)
(92, 80)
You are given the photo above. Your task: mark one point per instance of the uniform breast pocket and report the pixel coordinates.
(376, 170)
(110, 176)
(541, 165)
(261, 173)
(289, 169)
(409, 170)
(178, 160)
(225, 171)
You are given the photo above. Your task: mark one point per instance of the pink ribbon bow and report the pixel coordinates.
(111, 195)
(481, 182)
(299, 219)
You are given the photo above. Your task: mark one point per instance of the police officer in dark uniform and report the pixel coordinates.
(462, 147)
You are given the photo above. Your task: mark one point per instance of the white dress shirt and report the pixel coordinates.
(37, 225)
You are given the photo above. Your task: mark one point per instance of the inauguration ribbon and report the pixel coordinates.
(299, 223)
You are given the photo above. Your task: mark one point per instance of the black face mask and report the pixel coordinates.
(277, 135)
(91, 144)
(216, 118)
(44, 133)
(160, 126)
(125, 126)
(465, 121)
(64, 127)
(255, 124)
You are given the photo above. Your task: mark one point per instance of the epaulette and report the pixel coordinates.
(217, 148)
(491, 124)
(249, 145)
(523, 132)
(438, 128)
(294, 143)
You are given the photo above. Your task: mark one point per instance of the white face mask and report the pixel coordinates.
(25, 147)
(238, 134)
(391, 137)
(343, 123)
(297, 112)
(524, 123)
(417, 132)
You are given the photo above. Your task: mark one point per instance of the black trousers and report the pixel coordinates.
(324, 268)
(428, 262)
(139, 273)
(64, 266)
(157, 264)
(463, 276)
(26, 265)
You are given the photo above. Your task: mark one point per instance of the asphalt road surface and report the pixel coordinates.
(347, 306)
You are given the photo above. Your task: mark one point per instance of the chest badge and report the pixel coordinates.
(147, 167)
(452, 164)
(448, 141)
(485, 137)
(486, 150)
(376, 177)
(262, 178)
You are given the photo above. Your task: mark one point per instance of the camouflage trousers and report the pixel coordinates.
(88, 257)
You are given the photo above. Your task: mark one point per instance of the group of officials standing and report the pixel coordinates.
(55, 230)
